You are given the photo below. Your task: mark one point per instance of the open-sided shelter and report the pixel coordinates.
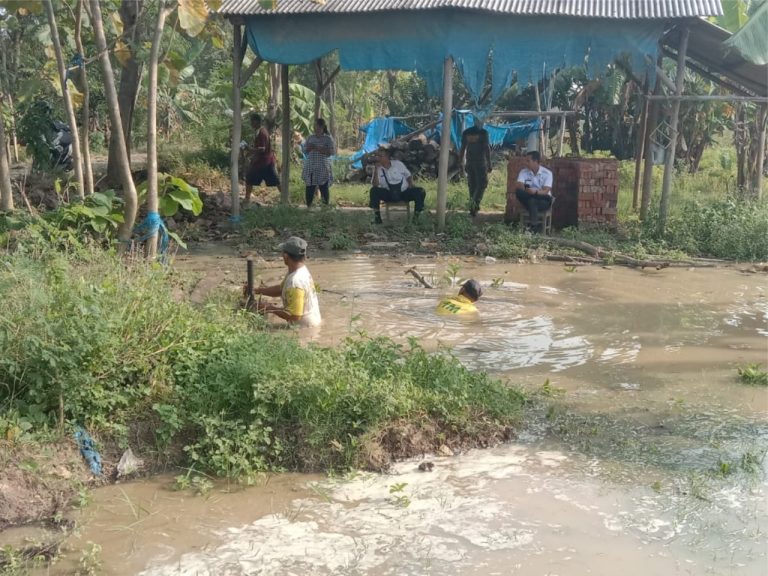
(522, 38)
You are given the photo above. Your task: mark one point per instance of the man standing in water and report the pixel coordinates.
(297, 290)
(475, 158)
(464, 302)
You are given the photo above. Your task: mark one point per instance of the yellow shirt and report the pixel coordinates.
(457, 305)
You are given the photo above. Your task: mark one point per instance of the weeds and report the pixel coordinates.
(207, 385)
(753, 375)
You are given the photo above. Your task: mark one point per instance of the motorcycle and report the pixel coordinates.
(59, 142)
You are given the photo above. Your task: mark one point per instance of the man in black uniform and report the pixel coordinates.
(476, 146)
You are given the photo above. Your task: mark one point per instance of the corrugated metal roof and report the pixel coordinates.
(622, 9)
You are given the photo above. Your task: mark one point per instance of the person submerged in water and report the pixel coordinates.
(464, 302)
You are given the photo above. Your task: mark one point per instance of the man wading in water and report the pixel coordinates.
(297, 290)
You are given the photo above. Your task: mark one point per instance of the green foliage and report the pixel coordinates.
(100, 213)
(754, 375)
(113, 345)
(34, 130)
(173, 193)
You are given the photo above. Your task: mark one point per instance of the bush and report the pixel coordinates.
(110, 347)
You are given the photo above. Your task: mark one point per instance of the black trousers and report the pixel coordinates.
(477, 178)
(309, 194)
(534, 204)
(415, 195)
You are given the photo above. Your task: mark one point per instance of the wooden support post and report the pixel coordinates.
(285, 194)
(237, 123)
(561, 136)
(445, 143)
(640, 150)
(653, 120)
(761, 126)
(669, 166)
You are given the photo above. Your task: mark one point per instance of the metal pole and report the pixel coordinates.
(285, 194)
(237, 125)
(249, 282)
(669, 166)
(445, 143)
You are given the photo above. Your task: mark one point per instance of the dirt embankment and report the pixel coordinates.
(38, 482)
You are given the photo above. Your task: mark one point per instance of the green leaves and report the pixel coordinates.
(734, 15)
(751, 41)
(173, 193)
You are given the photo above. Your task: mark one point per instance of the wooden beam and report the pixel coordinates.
(248, 72)
(561, 136)
(669, 166)
(677, 98)
(532, 113)
(712, 76)
(285, 194)
(237, 123)
(445, 143)
(762, 118)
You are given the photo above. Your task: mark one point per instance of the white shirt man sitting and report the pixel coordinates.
(534, 190)
(392, 182)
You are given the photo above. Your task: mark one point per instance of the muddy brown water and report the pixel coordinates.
(620, 471)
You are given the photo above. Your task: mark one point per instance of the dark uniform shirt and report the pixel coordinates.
(477, 143)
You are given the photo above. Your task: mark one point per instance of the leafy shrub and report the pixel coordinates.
(110, 347)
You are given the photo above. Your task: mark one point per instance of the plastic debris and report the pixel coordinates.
(88, 450)
(128, 464)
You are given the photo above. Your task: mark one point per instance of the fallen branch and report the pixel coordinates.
(572, 259)
(424, 282)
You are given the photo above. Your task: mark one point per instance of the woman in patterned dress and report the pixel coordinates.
(317, 171)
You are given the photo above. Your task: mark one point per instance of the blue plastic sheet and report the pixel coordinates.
(377, 132)
(421, 40)
(88, 450)
(499, 135)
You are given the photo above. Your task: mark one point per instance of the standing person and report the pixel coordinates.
(475, 158)
(318, 170)
(297, 290)
(392, 182)
(261, 159)
(534, 189)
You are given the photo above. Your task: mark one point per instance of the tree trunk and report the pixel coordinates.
(130, 79)
(86, 112)
(285, 185)
(122, 163)
(653, 119)
(71, 118)
(152, 188)
(761, 127)
(6, 192)
(740, 137)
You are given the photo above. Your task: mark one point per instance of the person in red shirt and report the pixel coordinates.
(261, 159)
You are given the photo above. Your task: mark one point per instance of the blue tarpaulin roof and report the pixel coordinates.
(402, 40)
(377, 132)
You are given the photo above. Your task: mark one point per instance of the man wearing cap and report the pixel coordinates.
(464, 302)
(297, 290)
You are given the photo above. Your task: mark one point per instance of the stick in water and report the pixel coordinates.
(424, 282)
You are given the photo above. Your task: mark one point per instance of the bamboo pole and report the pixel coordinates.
(445, 143)
(669, 166)
(285, 194)
(708, 98)
(237, 123)
(561, 136)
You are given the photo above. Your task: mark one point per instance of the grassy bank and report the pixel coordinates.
(90, 341)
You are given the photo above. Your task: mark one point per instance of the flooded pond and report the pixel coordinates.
(644, 456)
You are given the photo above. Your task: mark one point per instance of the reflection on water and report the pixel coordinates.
(623, 473)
